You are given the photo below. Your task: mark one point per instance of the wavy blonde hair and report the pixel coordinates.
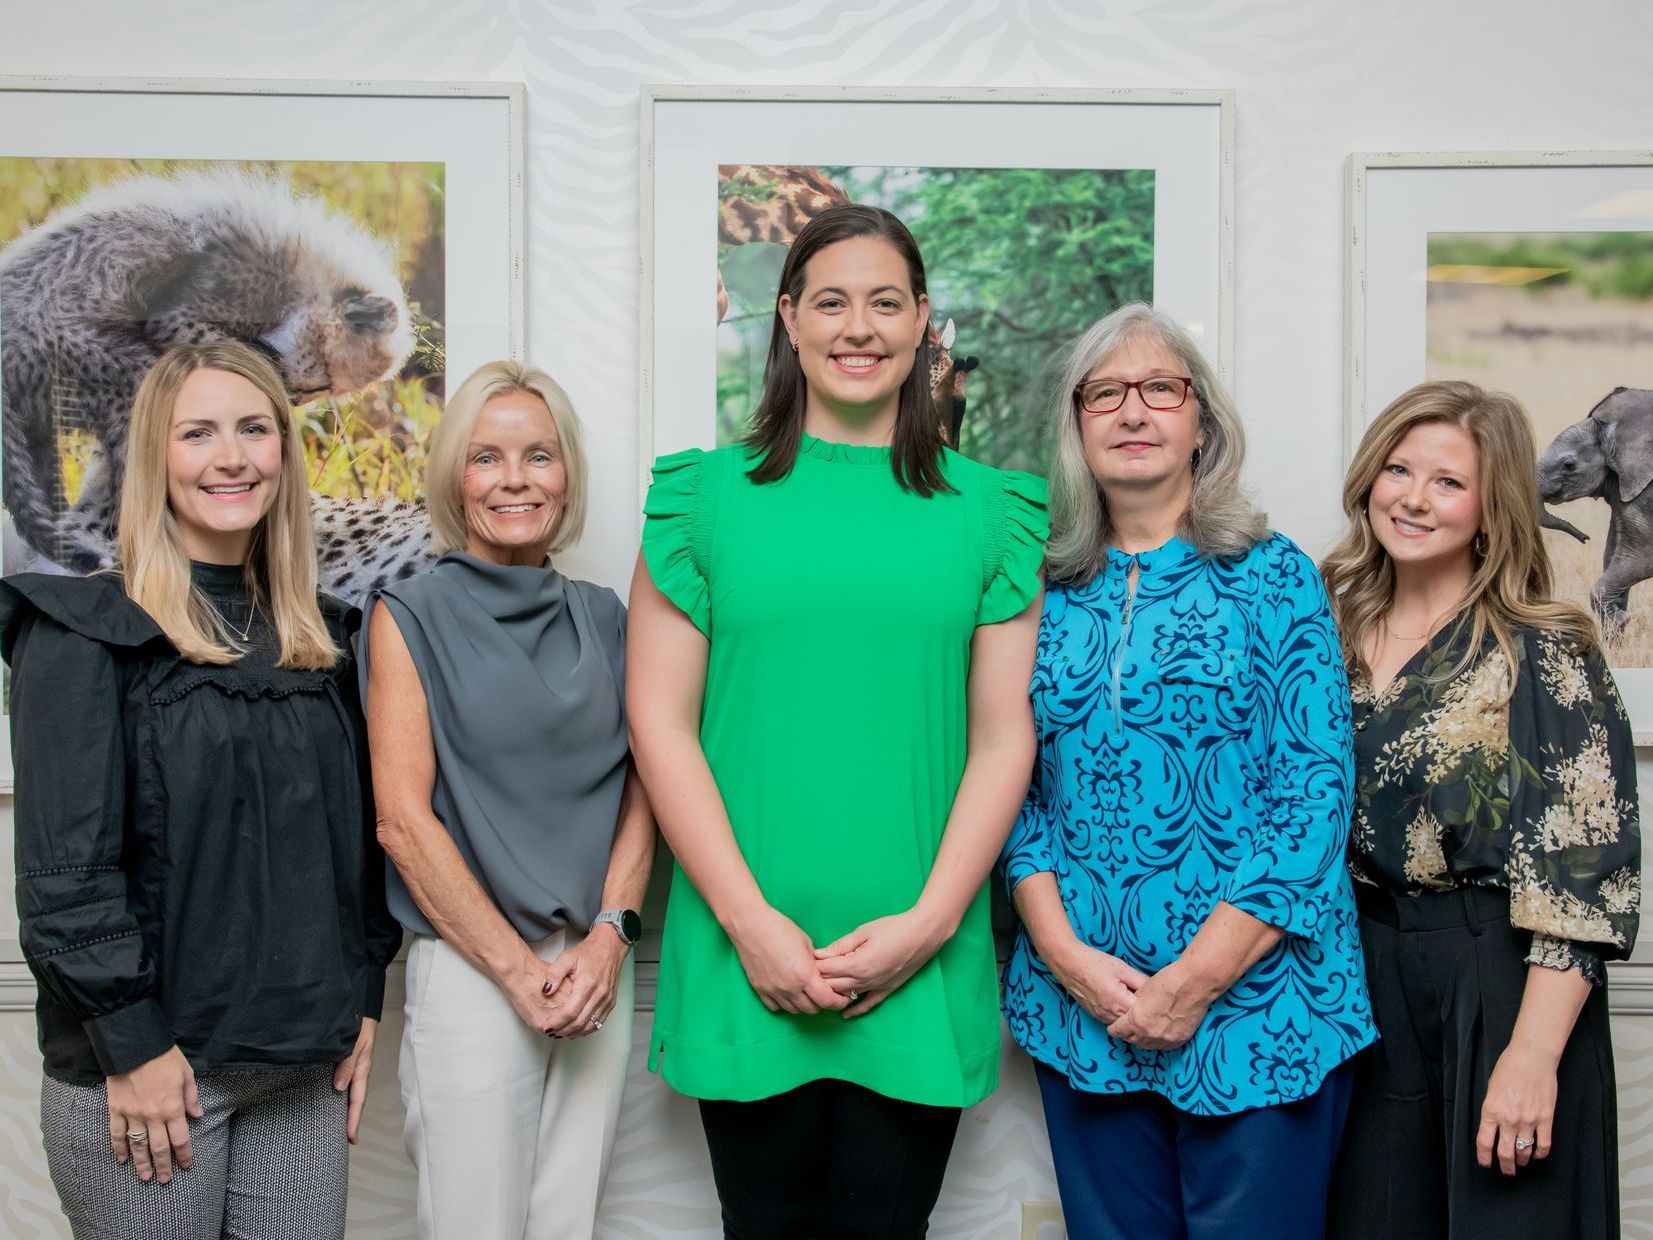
(451, 440)
(281, 560)
(1220, 520)
(1511, 581)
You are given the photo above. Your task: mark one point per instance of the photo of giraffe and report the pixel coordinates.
(1019, 261)
(336, 270)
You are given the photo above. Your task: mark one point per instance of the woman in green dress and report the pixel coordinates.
(832, 634)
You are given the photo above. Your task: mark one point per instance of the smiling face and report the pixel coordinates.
(514, 482)
(1136, 447)
(223, 464)
(857, 325)
(1425, 506)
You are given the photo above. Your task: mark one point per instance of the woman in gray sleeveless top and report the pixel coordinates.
(520, 835)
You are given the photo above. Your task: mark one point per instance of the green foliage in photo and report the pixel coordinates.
(1020, 259)
(1603, 264)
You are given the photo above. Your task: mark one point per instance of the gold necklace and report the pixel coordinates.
(1421, 637)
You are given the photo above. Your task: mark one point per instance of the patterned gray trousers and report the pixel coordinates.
(270, 1162)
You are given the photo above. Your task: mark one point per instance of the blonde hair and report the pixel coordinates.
(281, 560)
(450, 443)
(1220, 520)
(1511, 581)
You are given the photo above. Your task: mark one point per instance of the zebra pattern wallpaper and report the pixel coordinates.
(1312, 83)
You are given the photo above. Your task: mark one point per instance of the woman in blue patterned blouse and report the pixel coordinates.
(1188, 980)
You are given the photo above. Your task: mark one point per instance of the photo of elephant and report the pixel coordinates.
(1564, 322)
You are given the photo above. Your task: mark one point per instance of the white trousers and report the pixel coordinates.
(510, 1131)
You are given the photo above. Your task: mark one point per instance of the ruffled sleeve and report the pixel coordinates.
(1574, 864)
(1017, 526)
(676, 534)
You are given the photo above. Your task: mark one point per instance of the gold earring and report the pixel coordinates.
(794, 344)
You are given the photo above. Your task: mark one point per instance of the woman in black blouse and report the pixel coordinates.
(1495, 841)
(201, 896)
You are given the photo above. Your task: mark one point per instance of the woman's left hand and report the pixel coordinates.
(584, 981)
(1165, 1014)
(1519, 1106)
(875, 958)
(353, 1072)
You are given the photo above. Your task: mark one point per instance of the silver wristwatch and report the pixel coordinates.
(627, 924)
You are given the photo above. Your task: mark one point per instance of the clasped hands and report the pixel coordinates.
(1157, 1012)
(853, 974)
(572, 995)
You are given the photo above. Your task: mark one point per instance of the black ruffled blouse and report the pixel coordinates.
(196, 861)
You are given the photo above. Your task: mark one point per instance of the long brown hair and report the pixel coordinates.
(778, 421)
(1511, 580)
(281, 559)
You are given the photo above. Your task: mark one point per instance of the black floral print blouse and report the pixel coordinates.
(1458, 782)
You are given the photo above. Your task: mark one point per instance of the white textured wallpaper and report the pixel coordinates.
(1314, 80)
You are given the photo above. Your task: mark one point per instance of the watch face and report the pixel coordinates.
(631, 925)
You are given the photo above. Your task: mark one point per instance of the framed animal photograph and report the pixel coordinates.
(1531, 274)
(367, 237)
(1037, 212)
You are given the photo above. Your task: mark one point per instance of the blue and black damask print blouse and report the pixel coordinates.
(1194, 747)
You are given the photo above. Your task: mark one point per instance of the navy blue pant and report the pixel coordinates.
(1133, 1167)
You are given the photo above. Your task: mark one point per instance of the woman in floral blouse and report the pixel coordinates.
(1188, 982)
(1495, 841)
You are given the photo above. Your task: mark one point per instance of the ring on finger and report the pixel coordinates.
(595, 1023)
(1525, 1143)
(139, 1136)
(854, 996)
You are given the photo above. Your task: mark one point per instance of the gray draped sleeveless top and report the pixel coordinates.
(524, 678)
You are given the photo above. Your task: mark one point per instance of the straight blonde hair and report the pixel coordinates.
(1220, 521)
(281, 560)
(450, 444)
(1511, 581)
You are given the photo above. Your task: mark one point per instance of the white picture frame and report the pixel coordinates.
(1186, 136)
(1395, 200)
(476, 129)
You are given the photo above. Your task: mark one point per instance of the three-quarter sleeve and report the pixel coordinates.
(676, 534)
(1292, 873)
(1574, 865)
(80, 936)
(1017, 527)
(1028, 850)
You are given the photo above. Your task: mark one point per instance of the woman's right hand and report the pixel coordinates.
(1104, 985)
(149, 1112)
(780, 964)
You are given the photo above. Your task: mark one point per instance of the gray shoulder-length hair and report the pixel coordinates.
(1221, 521)
(450, 441)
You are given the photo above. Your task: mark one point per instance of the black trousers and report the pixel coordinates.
(1447, 972)
(828, 1161)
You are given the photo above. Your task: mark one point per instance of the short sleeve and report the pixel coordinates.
(676, 534)
(1017, 526)
(1574, 864)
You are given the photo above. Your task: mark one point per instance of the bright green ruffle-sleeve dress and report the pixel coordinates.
(839, 610)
